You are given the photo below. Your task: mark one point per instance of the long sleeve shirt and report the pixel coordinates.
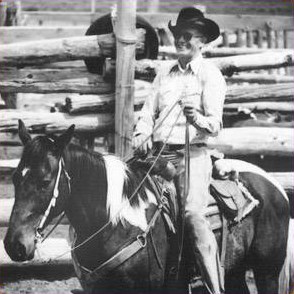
(203, 81)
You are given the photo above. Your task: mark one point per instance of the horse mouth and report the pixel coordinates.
(18, 252)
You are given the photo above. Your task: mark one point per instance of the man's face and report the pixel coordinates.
(188, 42)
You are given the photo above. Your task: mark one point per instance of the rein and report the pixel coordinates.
(39, 236)
(130, 198)
(124, 254)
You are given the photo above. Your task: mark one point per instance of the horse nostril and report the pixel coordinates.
(20, 251)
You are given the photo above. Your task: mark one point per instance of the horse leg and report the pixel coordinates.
(266, 279)
(235, 282)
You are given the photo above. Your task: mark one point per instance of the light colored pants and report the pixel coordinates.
(202, 238)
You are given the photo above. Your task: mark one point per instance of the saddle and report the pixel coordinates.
(233, 198)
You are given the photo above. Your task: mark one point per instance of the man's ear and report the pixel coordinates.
(23, 133)
(62, 141)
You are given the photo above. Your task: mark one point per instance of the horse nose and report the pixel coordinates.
(16, 250)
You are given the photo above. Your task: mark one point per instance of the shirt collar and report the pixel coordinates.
(194, 65)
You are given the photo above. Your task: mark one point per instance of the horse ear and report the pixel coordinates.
(65, 138)
(23, 133)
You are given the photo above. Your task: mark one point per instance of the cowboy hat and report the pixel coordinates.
(191, 17)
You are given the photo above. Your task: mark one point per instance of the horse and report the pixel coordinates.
(97, 197)
(103, 25)
(98, 201)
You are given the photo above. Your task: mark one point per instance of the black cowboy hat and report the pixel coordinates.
(191, 17)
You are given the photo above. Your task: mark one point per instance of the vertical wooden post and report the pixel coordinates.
(249, 38)
(240, 38)
(279, 38)
(270, 34)
(3, 9)
(286, 45)
(125, 31)
(153, 6)
(260, 38)
(93, 10)
(226, 42)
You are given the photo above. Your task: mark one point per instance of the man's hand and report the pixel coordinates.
(189, 109)
(141, 145)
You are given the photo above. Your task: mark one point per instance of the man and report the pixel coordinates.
(192, 90)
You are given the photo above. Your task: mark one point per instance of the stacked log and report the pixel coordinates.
(64, 49)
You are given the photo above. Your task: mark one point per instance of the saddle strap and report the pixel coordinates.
(116, 260)
(224, 241)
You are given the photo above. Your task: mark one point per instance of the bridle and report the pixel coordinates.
(39, 236)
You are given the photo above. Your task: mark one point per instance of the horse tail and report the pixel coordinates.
(286, 279)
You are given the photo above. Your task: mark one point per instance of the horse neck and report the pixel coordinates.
(86, 208)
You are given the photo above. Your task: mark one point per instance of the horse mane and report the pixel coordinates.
(84, 163)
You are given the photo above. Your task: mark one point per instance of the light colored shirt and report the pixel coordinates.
(204, 81)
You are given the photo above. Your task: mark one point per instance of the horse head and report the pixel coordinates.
(36, 179)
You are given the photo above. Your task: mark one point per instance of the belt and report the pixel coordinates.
(175, 147)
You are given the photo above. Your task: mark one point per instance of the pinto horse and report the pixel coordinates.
(101, 200)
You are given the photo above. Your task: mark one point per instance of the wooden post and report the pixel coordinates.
(270, 34)
(3, 9)
(249, 38)
(153, 6)
(125, 72)
(286, 45)
(226, 42)
(240, 38)
(279, 38)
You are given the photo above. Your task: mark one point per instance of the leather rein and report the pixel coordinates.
(39, 236)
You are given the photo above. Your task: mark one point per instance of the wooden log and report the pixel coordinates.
(125, 75)
(264, 141)
(254, 140)
(261, 78)
(38, 52)
(40, 122)
(92, 84)
(262, 106)
(170, 51)
(146, 69)
(230, 65)
(247, 93)
(76, 103)
(36, 33)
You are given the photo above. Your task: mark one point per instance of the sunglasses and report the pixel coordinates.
(187, 36)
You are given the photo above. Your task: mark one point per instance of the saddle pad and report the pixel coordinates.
(231, 199)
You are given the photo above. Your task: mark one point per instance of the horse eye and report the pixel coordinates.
(45, 184)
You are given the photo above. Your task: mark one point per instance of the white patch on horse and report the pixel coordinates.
(243, 166)
(24, 171)
(118, 207)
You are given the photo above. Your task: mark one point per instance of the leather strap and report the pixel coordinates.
(125, 253)
(224, 241)
(117, 259)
